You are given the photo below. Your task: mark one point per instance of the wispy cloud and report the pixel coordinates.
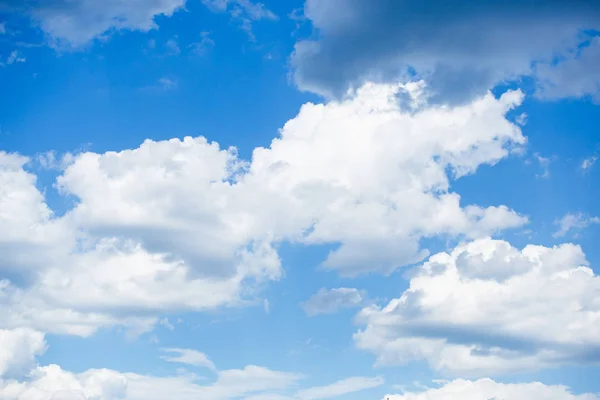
(203, 46)
(573, 222)
(188, 356)
(589, 162)
(244, 12)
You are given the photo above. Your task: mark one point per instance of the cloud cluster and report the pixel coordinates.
(488, 389)
(460, 50)
(489, 308)
(19, 348)
(186, 225)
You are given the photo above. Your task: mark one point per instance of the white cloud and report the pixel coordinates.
(488, 308)
(76, 23)
(544, 164)
(15, 57)
(103, 384)
(250, 383)
(329, 301)
(167, 324)
(488, 389)
(348, 385)
(589, 162)
(204, 45)
(573, 221)
(196, 227)
(188, 356)
(18, 349)
(244, 12)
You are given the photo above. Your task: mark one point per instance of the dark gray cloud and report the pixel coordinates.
(461, 47)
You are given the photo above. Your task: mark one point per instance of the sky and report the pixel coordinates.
(299, 200)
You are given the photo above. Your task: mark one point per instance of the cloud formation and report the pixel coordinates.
(19, 348)
(488, 308)
(573, 222)
(488, 389)
(197, 226)
(73, 24)
(460, 50)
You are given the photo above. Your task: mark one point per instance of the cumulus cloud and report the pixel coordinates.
(460, 50)
(185, 225)
(485, 308)
(573, 222)
(488, 389)
(73, 24)
(18, 349)
(329, 301)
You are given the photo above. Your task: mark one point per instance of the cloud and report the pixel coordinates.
(574, 76)
(14, 57)
(172, 47)
(250, 382)
(348, 385)
(74, 24)
(330, 301)
(573, 221)
(188, 356)
(484, 309)
(544, 164)
(459, 50)
(589, 162)
(103, 384)
(488, 389)
(18, 349)
(243, 12)
(197, 227)
(164, 84)
(203, 46)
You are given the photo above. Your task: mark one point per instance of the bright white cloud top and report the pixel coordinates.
(489, 308)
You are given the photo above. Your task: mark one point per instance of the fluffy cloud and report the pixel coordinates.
(329, 301)
(488, 389)
(460, 50)
(76, 23)
(18, 349)
(52, 382)
(186, 225)
(488, 308)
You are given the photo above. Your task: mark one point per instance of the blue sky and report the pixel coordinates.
(298, 200)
